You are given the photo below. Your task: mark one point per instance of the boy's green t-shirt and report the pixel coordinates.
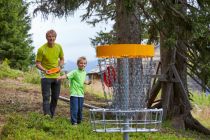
(49, 58)
(77, 78)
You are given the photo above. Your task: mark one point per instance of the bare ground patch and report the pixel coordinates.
(19, 97)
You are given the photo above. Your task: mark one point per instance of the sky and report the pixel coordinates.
(73, 35)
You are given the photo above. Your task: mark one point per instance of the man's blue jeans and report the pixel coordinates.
(50, 88)
(76, 106)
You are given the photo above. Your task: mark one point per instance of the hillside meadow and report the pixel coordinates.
(21, 115)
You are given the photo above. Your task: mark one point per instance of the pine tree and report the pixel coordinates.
(15, 41)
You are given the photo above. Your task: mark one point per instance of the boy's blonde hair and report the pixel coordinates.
(81, 58)
(51, 32)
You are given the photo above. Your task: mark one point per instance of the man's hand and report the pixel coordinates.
(47, 72)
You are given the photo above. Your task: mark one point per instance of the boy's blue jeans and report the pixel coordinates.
(76, 106)
(50, 88)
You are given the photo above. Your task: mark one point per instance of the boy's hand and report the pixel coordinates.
(61, 66)
(88, 82)
(59, 78)
(62, 77)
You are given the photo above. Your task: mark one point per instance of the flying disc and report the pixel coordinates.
(53, 70)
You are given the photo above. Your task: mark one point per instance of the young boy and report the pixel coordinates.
(77, 80)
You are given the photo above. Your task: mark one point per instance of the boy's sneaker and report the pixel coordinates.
(74, 123)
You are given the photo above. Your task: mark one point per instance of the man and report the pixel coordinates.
(50, 55)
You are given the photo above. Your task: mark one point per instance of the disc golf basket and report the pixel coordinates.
(125, 71)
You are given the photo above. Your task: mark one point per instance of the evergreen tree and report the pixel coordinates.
(15, 41)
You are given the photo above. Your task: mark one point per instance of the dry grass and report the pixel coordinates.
(95, 88)
(202, 114)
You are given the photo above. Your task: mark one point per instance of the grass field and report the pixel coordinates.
(21, 116)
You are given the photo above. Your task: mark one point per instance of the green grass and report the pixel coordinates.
(201, 108)
(32, 76)
(7, 72)
(200, 99)
(34, 126)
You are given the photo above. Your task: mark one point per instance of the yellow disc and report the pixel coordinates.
(125, 50)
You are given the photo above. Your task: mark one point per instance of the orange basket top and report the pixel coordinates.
(125, 50)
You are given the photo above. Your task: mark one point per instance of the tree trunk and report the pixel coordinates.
(127, 24)
(128, 32)
(175, 100)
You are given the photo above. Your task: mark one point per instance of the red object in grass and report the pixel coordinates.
(109, 76)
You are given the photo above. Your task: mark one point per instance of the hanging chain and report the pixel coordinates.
(126, 81)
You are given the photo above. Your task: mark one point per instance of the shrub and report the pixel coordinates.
(32, 76)
(7, 72)
(201, 99)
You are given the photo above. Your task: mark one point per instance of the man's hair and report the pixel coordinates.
(81, 58)
(51, 32)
